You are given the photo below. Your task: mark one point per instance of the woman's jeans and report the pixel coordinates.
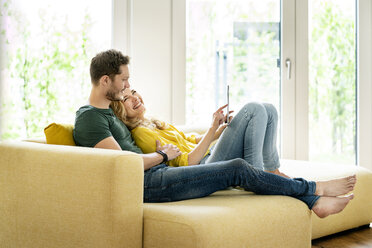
(251, 135)
(163, 183)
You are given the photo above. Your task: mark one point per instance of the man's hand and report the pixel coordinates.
(172, 151)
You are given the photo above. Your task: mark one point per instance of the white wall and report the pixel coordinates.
(151, 52)
(365, 84)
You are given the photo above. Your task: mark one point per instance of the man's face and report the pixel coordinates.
(119, 84)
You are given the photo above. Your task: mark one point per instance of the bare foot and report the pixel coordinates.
(330, 205)
(277, 172)
(335, 187)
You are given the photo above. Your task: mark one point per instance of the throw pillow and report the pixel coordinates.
(59, 134)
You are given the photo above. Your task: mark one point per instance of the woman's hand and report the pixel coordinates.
(218, 118)
(222, 127)
(204, 141)
(220, 121)
(172, 151)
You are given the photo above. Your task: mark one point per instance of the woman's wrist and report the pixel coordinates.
(213, 128)
(198, 139)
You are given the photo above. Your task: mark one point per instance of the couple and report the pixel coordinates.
(243, 148)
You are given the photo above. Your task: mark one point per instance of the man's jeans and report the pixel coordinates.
(163, 183)
(251, 135)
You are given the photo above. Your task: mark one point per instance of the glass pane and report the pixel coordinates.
(235, 42)
(46, 47)
(332, 97)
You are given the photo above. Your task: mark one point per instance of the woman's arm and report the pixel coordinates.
(198, 153)
(217, 133)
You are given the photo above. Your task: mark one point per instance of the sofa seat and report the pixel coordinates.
(237, 218)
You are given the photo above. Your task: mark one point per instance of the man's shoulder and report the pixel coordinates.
(89, 118)
(91, 126)
(90, 112)
(87, 109)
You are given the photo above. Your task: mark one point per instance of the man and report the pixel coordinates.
(97, 126)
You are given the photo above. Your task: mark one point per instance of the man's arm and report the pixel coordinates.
(149, 160)
(108, 143)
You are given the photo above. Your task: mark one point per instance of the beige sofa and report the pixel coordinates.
(65, 196)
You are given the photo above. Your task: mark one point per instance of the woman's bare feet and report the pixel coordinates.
(335, 187)
(326, 206)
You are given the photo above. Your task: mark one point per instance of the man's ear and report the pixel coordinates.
(104, 80)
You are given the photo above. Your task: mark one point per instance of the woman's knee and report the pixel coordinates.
(255, 107)
(238, 164)
(271, 111)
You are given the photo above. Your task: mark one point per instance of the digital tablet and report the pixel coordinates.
(228, 104)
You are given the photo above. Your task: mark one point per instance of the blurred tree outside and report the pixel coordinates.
(332, 97)
(45, 77)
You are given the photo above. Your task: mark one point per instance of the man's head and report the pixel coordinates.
(109, 69)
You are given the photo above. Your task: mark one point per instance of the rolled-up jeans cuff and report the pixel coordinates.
(312, 187)
(312, 203)
(271, 167)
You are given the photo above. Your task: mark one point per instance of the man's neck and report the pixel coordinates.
(98, 100)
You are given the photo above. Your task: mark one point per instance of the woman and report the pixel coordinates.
(251, 135)
(247, 145)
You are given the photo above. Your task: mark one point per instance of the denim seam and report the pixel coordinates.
(276, 186)
(190, 180)
(249, 117)
(193, 179)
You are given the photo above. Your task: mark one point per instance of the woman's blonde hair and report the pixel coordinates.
(132, 123)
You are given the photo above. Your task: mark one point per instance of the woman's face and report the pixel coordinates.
(133, 104)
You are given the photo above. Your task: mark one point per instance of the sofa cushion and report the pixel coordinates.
(236, 218)
(230, 218)
(59, 134)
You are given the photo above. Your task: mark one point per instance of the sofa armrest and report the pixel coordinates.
(62, 196)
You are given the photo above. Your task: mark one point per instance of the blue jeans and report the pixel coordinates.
(163, 183)
(251, 135)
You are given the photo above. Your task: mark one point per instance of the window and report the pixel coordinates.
(231, 42)
(332, 81)
(45, 57)
(241, 42)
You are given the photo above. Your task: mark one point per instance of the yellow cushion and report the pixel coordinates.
(59, 134)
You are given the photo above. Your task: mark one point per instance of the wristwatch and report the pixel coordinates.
(165, 156)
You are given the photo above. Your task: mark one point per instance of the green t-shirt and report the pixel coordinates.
(93, 125)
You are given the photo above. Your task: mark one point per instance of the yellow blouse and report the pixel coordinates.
(145, 139)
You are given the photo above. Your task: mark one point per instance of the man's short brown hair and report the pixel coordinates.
(107, 63)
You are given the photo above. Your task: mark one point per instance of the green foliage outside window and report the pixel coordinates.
(43, 80)
(332, 97)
